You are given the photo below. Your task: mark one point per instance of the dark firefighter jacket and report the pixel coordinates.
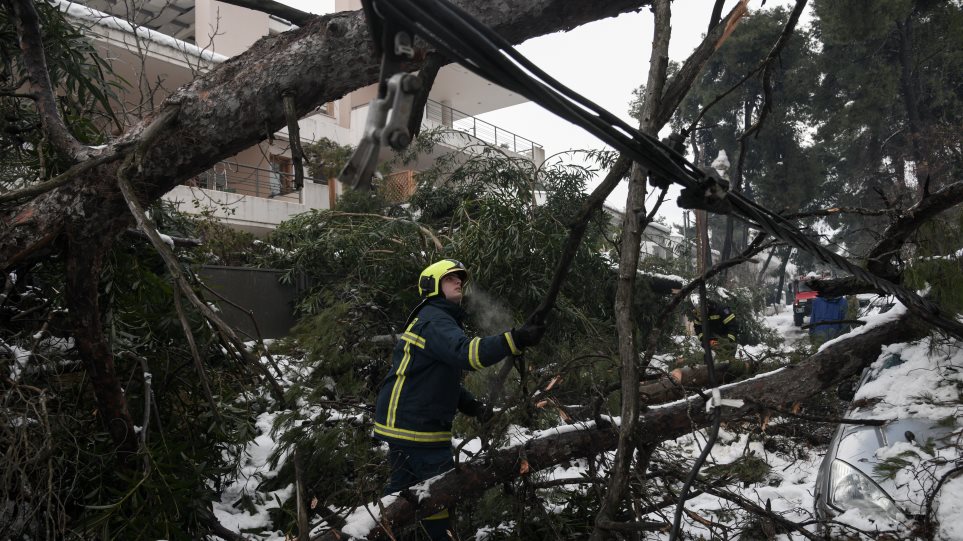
(422, 392)
(722, 322)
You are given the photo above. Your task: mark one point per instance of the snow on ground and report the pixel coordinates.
(927, 383)
(361, 521)
(232, 510)
(782, 324)
(788, 487)
(254, 469)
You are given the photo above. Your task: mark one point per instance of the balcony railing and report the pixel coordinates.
(246, 180)
(453, 118)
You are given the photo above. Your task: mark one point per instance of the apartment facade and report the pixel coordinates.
(159, 45)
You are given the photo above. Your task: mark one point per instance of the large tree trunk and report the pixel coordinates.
(777, 389)
(83, 269)
(239, 104)
(210, 119)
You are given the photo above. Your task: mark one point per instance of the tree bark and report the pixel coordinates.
(84, 268)
(727, 246)
(633, 225)
(779, 389)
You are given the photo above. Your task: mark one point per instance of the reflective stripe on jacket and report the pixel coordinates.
(422, 392)
(722, 323)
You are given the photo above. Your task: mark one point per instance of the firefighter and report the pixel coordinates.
(722, 323)
(422, 392)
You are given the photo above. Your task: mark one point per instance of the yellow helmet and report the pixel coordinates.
(429, 283)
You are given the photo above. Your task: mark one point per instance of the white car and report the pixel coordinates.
(878, 476)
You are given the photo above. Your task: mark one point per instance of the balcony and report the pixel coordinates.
(250, 198)
(441, 115)
(247, 180)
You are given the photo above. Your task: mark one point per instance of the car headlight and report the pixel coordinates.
(850, 488)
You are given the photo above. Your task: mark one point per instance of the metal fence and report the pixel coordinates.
(242, 292)
(246, 180)
(489, 133)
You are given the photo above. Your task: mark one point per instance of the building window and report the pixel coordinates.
(281, 180)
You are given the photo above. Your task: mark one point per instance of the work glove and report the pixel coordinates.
(528, 334)
(479, 410)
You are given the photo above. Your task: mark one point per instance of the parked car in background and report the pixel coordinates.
(802, 305)
(859, 470)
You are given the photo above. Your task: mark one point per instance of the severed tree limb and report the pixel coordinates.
(257, 328)
(928, 517)
(576, 231)
(198, 364)
(778, 388)
(224, 111)
(839, 210)
(679, 86)
(180, 282)
(67, 176)
(880, 258)
(84, 265)
(675, 91)
(633, 224)
(879, 261)
(838, 287)
(716, 13)
(760, 511)
(637, 526)
(294, 139)
(427, 74)
(40, 88)
(675, 385)
(819, 418)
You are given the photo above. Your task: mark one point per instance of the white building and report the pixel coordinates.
(159, 45)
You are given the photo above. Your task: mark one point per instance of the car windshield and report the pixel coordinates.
(803, 287)
(888, 362)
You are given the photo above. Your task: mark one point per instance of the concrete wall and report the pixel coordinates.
(256, 215)
(226, 29)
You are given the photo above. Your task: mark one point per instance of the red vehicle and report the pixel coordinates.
(802, 303)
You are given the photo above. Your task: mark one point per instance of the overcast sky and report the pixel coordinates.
(605, 61)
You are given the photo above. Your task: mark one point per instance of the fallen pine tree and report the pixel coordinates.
(777, 391)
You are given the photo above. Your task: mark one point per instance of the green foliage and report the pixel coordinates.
(748, 469)
(891, 98)
(220, 244)
(937, 262)
(325, 158)
(779, 170)
(164, 491)
(507, 220)
(887, 469)
(85, 86)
